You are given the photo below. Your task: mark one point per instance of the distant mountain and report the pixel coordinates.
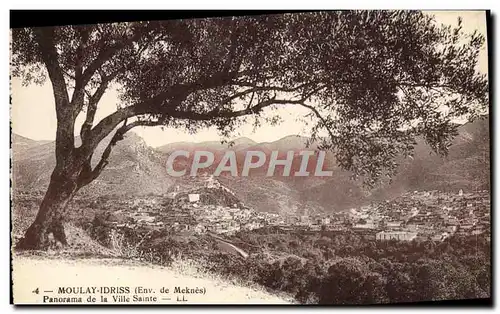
(237, 144)
(134, 167)
(21, 143)
(291, 142)
(137, 169)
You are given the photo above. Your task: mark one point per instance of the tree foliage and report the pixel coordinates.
(371, 272)
(372, 80)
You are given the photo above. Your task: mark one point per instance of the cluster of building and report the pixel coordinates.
(429, 215)
(209, 208)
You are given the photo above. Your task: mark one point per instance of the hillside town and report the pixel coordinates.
(420, 215)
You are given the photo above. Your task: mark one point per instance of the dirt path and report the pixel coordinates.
(51, 274)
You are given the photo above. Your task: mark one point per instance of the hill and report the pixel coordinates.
(137, 169)
(21, 143)
(237, 144)
(134, 168)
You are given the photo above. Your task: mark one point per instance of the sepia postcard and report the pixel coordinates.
(326, 157)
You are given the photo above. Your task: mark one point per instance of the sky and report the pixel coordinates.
(33, 110)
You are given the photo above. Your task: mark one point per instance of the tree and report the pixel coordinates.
(372, 81)
(350, 281)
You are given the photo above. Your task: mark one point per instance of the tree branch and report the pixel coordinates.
(65, 115)
(105, 55)
(216, 113)
(173, 96)
(79, 92)
(93, 101)
(259, 88)
(323, 120)
(83, 78)
(45, 40)
(88, 174)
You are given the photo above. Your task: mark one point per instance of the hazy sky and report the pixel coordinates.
(33, 110)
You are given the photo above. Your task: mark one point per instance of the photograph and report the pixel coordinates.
(329, 157)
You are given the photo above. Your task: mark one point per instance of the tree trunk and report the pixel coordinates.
(50, 217)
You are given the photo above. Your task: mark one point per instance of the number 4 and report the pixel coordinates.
(35, 291)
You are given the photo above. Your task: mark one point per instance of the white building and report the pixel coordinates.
(451, 229)
(366, 226)
(393, 224)
(194, 197)
(395, 235)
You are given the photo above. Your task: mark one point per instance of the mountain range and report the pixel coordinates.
(137, 169)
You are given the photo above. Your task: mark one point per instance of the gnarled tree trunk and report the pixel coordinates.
(50, 217)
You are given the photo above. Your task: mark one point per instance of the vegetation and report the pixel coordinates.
(314, 267)
(345, 269)
(372, 81)
(336, 268)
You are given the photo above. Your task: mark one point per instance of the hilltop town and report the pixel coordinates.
(205, 222)
(213, 208)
